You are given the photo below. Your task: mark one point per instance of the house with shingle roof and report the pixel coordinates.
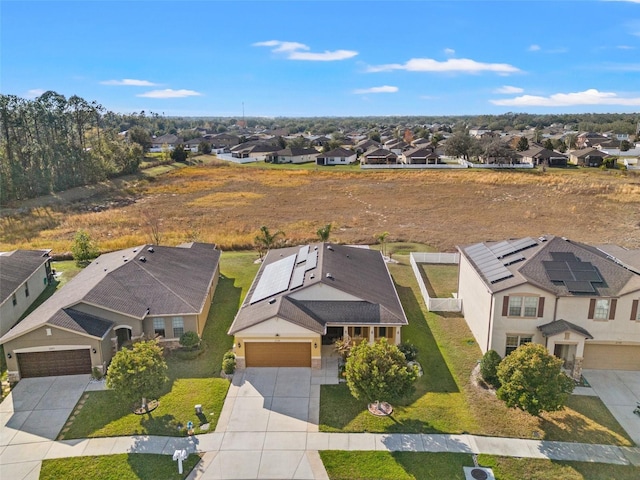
(578, 300)
(421, 155)
(142, 292)
(379, 156)
(538, 155)
(169, 141)
(588, 157)
(337, 156)
(24, 274)
(293, 155)
(305, 297)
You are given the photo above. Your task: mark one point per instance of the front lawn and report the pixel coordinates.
(130, 466)
(191, 382)
(446, 401)
(341, 465)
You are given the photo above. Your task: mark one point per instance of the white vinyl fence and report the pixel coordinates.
(400, 166)
(435, 304)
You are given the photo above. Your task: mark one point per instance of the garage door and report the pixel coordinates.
(277, 354)
(47, 364)
(611, 357)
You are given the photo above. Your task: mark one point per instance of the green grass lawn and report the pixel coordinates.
(341, 465)
(191, 381)
(446, 401)
(441, 280)
(117, 467)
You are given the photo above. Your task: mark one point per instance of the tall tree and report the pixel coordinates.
(83, 249)
(266, 240)
(523, 144)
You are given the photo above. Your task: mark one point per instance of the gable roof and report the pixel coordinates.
(358, 272)
(380, 152)
(337, 152)
(559, 326)
(616, 280)
(420, 152)
(167, 138)
(594, 152)
(136, 282)
(295, 152)
(16, 267)
(540, 152)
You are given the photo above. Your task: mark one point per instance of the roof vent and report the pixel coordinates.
(150, 249)
(135, 250)
(315, 248)
(313, 275)
(329, 275)
(542, 239)
(143, 259)
(272, 301)
(329, 247)
(125, 259)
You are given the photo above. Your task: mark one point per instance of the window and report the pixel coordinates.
(158, 326)
(601, 311)
(14, 299)
(26, 289)
(514, 341)
(523, 306)
(382, 331)
(178, 326)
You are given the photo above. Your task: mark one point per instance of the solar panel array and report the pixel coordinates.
(489, 265)
(508, 247)
(576, 275)
(312, 260)
(302, 254)
(275, 279)
(298, 277)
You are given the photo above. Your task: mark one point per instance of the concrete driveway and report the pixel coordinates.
(265, 420)
(619, 390)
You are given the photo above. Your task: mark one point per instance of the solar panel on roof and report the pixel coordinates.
(560, 275)
(555, 265)
(564, 256)
(491, 268)
(275, 279)
(298, 277)
(523, 244)
(501, 249)
(302, 254)
(587, 276)
(312, 260)
(581, 266)
(579, 287)
(511, 259)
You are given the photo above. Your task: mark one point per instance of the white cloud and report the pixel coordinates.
(34, 92)
(508, 89)
(455, 65)
(383, 89)
(170, 93)
(449, 51)
(588, 97)
(129, 82)
(300, 51)
(625, 47)
(534, 48)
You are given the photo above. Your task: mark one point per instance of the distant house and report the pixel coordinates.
(24, 274)
(578, 300)
(193, 144)
(292, 155)
(320, 141)
(396, 146)
(223, 140)
(365, 144)
(169, 141)
(141, 292)
(305, 297)
(420, 142)
(420, 156)
(379, 156)
(588, 157)
(540, 156)
(254, 149)
(337, 156)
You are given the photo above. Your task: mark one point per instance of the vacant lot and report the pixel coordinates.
(227, 204)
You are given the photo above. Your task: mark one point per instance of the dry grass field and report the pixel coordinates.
(226, 204)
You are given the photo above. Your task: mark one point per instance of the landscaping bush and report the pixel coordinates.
(96, 373)
(489, 368)
(410, 351)
(190, 340)
(185, 353)
(229, 363)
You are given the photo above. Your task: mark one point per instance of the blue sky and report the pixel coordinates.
(327, 58)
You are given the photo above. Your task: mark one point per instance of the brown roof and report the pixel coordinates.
(16, 267)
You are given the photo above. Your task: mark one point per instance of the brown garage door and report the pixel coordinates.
(611, 357)
(47, 364)
(277, 354)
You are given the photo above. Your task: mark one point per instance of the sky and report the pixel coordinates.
(326, 58)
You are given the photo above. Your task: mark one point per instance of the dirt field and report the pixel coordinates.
(227, 204)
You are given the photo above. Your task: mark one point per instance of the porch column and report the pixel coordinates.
(372, 334)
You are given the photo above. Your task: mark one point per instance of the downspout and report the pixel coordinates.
(490, 323)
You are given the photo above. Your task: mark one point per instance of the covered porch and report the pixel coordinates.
(360, 333)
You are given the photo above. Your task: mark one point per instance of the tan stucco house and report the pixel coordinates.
(580, 301)
(309, 296)
(24, 274)
(142, 292)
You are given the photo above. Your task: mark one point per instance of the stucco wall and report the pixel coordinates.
(476, 303)
(9, 313)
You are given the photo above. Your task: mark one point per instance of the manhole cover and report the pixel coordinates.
(478, 474)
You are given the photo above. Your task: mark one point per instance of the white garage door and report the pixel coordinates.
(611, 357)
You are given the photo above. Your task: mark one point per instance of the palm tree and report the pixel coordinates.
(266, 240)
(382, 240)
(324, 232)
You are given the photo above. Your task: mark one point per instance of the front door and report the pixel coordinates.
(567, 353)
(123, 334)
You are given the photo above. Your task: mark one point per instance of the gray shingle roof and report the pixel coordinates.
(81, 322)
(16, 267)
(559, 326)
(358, 272)
(337, 152)
(170, 281)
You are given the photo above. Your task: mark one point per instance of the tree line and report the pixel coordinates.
(53, 143)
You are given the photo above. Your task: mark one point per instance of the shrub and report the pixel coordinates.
(489, 368)
(189, 340)
(410, 351)
(96, 373)
(229, 363)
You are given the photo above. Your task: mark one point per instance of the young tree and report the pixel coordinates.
(489, 368)
(548, 144)
(532, 380)
(324, 232)
(381, 238)
(378, 372)
(204, 148)
(625, 145)
(179, 154)
(140, 136)
(266, 240)
(138, 373)
(83, 249)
